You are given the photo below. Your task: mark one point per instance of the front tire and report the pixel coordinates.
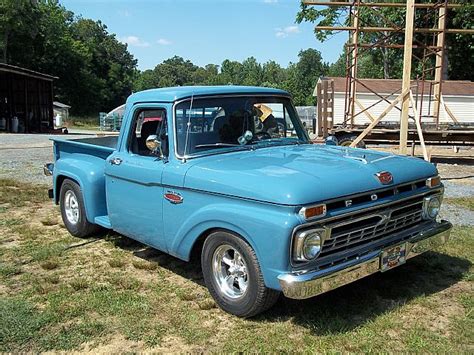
(73, 213)
(347, 139)
(233, 276)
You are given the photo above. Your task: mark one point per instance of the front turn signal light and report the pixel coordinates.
(433, 181)
(315, 211)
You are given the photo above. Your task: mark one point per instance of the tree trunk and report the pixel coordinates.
(5, 46)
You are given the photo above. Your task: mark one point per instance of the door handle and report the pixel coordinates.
(115, 161)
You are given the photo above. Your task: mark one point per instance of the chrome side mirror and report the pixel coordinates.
(48, 169)
(153, 143)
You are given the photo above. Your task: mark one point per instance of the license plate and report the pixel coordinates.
(392, 257)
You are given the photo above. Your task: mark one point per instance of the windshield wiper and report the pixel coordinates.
(217, 145)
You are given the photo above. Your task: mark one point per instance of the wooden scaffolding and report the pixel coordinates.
(409, 103)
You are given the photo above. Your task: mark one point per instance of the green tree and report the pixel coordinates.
(252, 72)
(338, 68)
(18, 27)
(231, 72)
(273, 75)
(303, 76)
(111, 66)
(95, 70)
(388, 62)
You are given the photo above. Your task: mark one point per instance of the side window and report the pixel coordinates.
(148, 122)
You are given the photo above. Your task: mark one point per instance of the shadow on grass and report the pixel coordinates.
(347, 307)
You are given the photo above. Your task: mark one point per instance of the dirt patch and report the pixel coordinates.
(118, 344)
(437, 313)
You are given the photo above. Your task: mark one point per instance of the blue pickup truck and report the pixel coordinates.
(229, 174)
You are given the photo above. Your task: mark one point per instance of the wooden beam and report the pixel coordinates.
(364, 110)
(395, 46)
(331, 126)
(320, 109)
(325, 108)
(394, 29)
(375, 4)
(378, 119)
(418, 127)
(439, 65)
(447, 110)
(407, 54)
(354, 61)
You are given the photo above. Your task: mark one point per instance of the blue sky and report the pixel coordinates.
(208, 31)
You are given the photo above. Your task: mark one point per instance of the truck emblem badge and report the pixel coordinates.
(374, 197)
(348, 203)
(384, 177)
(173, 197)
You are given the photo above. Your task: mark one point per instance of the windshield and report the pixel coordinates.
(230, 123)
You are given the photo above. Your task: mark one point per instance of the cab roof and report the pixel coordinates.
(181, 92)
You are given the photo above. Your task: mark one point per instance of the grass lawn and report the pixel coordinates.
(111, 294)
(89, 123)
(466, 202)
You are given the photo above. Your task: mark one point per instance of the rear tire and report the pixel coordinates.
(73, 213)
(347, 139)
(233, 276)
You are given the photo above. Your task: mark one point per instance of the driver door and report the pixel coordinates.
(133, 180)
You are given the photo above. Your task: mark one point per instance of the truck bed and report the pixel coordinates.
(100, 147)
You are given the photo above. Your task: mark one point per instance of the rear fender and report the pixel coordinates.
(88, 172)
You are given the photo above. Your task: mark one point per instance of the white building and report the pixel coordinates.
(458, 96)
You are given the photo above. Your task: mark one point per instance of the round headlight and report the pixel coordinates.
(432, 209)
(312, 246)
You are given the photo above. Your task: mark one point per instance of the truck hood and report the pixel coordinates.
(301, 174)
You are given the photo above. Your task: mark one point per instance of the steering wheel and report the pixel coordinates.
(263, 135)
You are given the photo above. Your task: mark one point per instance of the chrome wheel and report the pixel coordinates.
(71, 207)
(230, 271)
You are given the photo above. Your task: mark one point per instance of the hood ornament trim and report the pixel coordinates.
(384, 177)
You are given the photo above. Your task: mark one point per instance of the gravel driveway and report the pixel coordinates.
(22, 157)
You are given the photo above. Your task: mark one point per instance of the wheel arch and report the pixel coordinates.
(59, 183)
(196, 249)
(89, 175)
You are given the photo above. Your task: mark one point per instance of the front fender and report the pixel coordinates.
(267, 228)
(88, 172)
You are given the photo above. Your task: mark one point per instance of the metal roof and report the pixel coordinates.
(26, 72)
(181, 92)
(60, 105)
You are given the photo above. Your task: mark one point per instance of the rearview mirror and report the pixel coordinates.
(153, 143)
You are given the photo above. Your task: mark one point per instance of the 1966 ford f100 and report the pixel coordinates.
(229, 173)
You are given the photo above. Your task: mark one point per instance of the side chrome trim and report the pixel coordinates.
(306, 284)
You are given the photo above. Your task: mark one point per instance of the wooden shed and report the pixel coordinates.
(26, 100)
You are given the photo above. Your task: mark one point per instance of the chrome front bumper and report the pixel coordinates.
(306, 284)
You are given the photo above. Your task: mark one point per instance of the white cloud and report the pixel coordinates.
(270, 1)
(134, 41)
(285, 32)
(124, 13)
(164, 42)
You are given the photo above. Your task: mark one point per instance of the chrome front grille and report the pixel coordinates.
(372, 226)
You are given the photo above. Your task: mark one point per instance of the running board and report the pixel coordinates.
(103, 221)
